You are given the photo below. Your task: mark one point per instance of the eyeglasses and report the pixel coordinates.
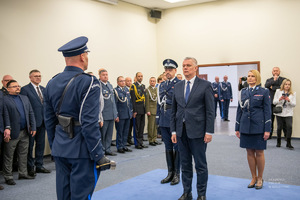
(37, 76)
(15, 86)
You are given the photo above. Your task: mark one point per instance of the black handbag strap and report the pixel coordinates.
(64, 92)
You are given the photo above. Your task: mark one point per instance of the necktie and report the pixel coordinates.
(251, 89)
(40, 94)
(169, 83)
(187, 91)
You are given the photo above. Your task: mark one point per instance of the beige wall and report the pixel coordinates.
(121, 38)
(236, 31)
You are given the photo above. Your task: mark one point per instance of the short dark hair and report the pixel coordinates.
(102, 70)
(119, 78)
(137, 74)
(33, 71)
(10, 82)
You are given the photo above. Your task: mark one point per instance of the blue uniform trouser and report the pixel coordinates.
(196, 148)
(106, 134)
(216, 106)
(75, 178)
(39, 139)
(166, 136)
(122, 132)
(225, 108)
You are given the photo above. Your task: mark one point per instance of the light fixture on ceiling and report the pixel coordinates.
(174, 1)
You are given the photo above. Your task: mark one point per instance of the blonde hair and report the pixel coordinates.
(283, 83)
(257, 76)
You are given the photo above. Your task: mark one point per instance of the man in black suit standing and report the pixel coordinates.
(273, 84)
(192, 126)
(19, 118)
(34, 92)
(5, 80)
(137, 93)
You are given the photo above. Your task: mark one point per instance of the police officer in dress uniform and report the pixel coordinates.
(137, 93)
(163, 117)
(71, 101)
(253, 125)
(124, 108)
(225, 95)
(109, 112)
(215, 86)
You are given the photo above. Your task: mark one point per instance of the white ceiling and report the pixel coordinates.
(161, 4)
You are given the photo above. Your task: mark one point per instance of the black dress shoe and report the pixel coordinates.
(31, 173)
(145, 140)
(138, 147)
(226, 120)
(152, 144)
(186, 196)
(1, 187)
(175, 180)
(25, 177)
(10, 182)
(201, 198)
(144, 146)
(130, 142)
(126, 149)
(110, 154)
(121, 151)
(42, 170)
(157, 143)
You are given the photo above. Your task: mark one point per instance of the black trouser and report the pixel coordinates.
(284, 123)
(139, 127)
(130, 130)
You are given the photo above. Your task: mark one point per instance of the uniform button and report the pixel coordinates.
(248, 117)
(96, 156)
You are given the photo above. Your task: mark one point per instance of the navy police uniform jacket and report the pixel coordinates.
(225, 90)
(215, 87)
(123, 102)
(81, 101)
(164, 102)
(254, 111)
(109, 111)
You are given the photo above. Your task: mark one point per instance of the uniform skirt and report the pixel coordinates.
(253, 141)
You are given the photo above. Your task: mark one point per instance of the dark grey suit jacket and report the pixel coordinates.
(12, 115)
(198, 112)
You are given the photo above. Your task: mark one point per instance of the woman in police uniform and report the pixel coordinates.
(253, 125)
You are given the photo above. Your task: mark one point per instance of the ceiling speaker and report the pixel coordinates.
(155, 14)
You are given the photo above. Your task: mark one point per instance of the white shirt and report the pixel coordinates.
(34, 86)
(287, 110)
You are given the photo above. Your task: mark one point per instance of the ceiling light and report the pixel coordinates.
(175, 1)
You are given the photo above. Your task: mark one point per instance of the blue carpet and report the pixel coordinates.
(147, 187)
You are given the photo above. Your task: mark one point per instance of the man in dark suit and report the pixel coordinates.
(5, 80)
(1, 124)
(34, 92)
(273, 84)
(192, 126)
(19, 118)
(137, 93)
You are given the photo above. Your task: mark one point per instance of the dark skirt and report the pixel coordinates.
(253, 141)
